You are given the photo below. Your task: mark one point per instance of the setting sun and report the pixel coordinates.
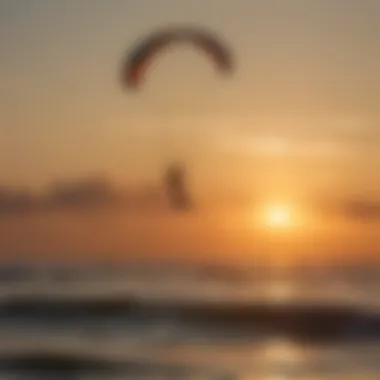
(278, 216)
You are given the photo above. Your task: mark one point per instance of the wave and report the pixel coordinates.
(312, 322)
(23, 271)
(74, 365)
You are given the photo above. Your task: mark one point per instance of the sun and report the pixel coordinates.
(278, 216)
(286, 217)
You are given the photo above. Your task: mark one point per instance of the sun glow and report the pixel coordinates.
(278, 216)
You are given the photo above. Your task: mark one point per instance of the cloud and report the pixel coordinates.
(16, 200)
(361, 209)
(355, 208)
(83, 192)
(281, 147)
(78, 194)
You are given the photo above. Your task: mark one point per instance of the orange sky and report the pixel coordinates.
(235, 236)
(299, 119)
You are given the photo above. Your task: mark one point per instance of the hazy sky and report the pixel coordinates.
(301, 113)
(307, 86)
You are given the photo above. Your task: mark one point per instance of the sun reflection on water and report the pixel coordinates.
(279, 291)
(281, 350)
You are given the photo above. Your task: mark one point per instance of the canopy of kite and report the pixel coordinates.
(141, 55)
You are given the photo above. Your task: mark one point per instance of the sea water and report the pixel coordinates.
(155, 322)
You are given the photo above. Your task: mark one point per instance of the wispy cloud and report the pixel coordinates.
(271, 146)
(78, 194)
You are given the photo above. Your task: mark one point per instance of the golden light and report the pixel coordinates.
(279, 292)
(282, 351)
(278, 216)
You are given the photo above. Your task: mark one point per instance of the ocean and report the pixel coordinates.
(172, 321)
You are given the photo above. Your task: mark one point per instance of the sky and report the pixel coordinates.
(299, 118)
